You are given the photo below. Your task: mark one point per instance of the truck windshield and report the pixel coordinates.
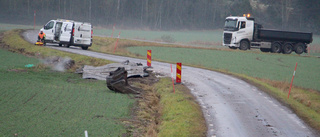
(230, 25)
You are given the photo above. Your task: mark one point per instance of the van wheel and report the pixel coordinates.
(244, 45)
(276, 47)
(287, 48)
(299, 48)
(84, 48)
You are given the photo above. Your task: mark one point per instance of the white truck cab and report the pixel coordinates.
(68, 33)
(237, 29)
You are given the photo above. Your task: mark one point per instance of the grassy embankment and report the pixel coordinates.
(66, 94)
(271, 72)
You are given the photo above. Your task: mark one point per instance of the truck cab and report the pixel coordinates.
(238, 30)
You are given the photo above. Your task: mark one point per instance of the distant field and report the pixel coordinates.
(267, 66)
(210, 38)
(14, 26)
(38, 102)
(205, 38)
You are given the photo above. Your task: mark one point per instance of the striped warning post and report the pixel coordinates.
(178, 79)
(149, 58)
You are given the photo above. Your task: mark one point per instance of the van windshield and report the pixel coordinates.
(231, 25)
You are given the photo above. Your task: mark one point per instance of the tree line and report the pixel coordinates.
(301, 15)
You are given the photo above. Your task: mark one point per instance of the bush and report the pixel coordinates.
(168, 39)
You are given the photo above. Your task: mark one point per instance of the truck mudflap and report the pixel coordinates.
(118, 82)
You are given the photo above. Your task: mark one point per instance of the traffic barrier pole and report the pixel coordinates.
(113, 30)
(178, 75)
(172, 78)
(34, 20)
(294, 73)
(86, 133)
(116, 43)
(149, 58)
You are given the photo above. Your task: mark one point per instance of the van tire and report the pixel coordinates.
(84, 47)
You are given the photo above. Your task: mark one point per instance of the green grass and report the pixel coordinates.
(62, 104)
(181, 115)
(5, 27)
(18, 44)
(45, 103)
(179, 36)
(266, 66)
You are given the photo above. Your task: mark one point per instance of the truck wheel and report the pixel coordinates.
(60, 45)
(287, 48)
(68, 45)
(276, 47)
(244, 45)
(299, 48)
(84, 47)
(264, 50)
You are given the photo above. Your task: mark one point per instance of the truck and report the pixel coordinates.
(242, 32)
(68, 33)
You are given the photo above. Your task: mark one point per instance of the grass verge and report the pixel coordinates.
(163, 113)
(181, 115)
(15, 43)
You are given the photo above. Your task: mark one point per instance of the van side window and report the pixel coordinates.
(49, 25)
(243, 24)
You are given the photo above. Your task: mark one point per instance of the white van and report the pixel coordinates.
(68, 33)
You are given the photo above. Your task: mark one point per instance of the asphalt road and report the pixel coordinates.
(232, 107)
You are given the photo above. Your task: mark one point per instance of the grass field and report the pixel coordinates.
(201, 38)
(266, 66)
(37, 102)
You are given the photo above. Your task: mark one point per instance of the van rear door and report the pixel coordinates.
(66, 30)
(82, 34)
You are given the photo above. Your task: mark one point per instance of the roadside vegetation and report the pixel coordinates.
(40, 102)
(270, 72)
(62, 104)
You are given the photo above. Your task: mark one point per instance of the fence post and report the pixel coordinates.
(294, 73)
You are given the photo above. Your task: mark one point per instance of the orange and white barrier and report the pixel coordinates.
(149, 58)
(178, 75)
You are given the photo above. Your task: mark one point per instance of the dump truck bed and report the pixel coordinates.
(277, 35)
